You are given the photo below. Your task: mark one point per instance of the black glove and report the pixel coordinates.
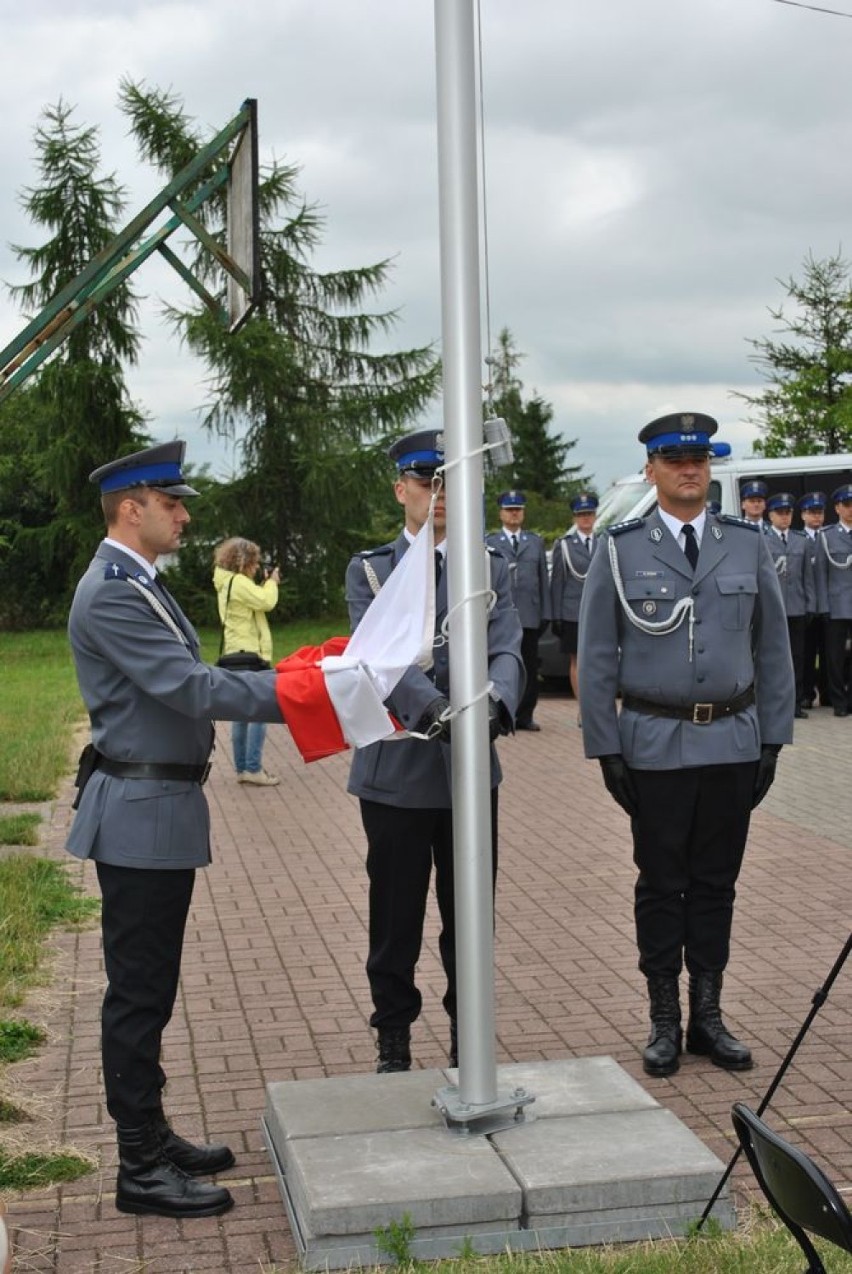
(765, 776)
(494, 724)
(556, 627)
(542, 628)
(432, 718)
(618, 781)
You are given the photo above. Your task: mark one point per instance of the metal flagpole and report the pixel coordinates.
(476, 1099)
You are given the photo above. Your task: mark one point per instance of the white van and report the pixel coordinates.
(635, 497)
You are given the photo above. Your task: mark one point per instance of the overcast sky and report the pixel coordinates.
(652, 170)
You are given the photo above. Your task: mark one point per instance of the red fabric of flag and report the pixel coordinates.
(304, 702)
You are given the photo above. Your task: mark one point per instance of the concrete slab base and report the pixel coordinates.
(595, 1159)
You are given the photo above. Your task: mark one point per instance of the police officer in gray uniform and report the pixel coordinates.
(682, 615)
(792, 556)
(834, 597)
(572, 557)
(404, 786)
(142, 815)
(812, 512)
(753, 501)
(525, 553)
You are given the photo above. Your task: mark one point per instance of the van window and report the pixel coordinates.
(827, 480)
(619, 501)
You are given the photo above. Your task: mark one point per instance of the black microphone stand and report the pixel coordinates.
(818, 1000)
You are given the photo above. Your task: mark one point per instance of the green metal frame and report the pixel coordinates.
(120, 258)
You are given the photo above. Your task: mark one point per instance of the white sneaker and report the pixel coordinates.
(259, 778)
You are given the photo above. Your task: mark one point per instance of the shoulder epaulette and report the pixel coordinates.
(730, 519)
(379, 552)
(620, 527)
(113, 570)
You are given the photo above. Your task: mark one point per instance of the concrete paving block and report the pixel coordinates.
(352, 1184)
(630, 1159)
(353, 1103)
(573, 1086)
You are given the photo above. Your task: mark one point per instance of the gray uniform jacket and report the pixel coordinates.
(567, 577)
(834, 572)
(149, 698)
(794, 565)
(527, 575)
(410, 772)
(739, 639)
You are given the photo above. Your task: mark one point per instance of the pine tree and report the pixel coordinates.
(298, 385)
(807, 408)
(77, 409)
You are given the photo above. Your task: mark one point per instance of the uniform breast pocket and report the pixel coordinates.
(736, 603)
(651, 598)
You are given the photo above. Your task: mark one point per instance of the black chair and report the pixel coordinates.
(797, 1189)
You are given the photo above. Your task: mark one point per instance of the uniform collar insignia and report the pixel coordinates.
(656, 535)
(716, 532)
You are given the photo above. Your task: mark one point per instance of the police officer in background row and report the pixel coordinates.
(572, 557)
(812, 512)
(753, 501)
(791, 553)
(404, 786)
(834, 594)
(682, 615)
(142, 816)
(524, 551)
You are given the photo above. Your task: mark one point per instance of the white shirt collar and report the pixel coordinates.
(148, 567)
(674, 524)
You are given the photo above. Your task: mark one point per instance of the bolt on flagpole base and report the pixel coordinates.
(463, 1117)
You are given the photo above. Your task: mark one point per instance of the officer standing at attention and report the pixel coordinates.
(404, 786)
(753, 501)
(142, 815)
(791, 553)
(682, 615)
(812, 511)
(525, 554)
(834, 593)
(572, 557)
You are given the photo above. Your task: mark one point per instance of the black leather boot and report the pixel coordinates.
(150, 1185)
(454, 1042)
(195, 1161)
(394, 1049)
(707, 1034)
(662, 1055)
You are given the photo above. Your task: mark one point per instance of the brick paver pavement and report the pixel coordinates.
(273, 983)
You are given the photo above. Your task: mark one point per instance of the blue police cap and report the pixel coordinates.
(754, 489)
(156, 467)
(781, 500)
(842, 494)
(585, 502)
(680, 434)
(420, 453)
(813, 500)
(511, 500)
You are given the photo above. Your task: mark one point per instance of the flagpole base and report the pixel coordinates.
(465, 1118)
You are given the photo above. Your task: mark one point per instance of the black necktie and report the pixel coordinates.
(587, 543)
(784, 537)
(690, 545)
(439, 566)
(515, 544)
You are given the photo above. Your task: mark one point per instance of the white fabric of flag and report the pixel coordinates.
(396, 632)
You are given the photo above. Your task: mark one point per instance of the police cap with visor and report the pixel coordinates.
(420, 454)
(512, 500)
(813, 500)
(780, 502)
(158, 468)
(681, 434)
(584, 502)
(754, 489)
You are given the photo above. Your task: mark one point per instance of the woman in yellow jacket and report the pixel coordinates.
(243, 606)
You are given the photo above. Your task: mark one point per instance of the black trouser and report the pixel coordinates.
(836, 632)
(402, 846)
(688, 843)
(796, 625)
(143, 921)
(529, 656)
(815, 676)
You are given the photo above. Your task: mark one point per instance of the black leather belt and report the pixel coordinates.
(154, 770)
(697, 713)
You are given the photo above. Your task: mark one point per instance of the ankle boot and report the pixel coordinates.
(149, 1184)
(195, 1161)
(707, 1034)
(454, 1042)
(662, 1055)
(394, 1049)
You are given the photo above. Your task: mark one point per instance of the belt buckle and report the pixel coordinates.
(702, 713)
